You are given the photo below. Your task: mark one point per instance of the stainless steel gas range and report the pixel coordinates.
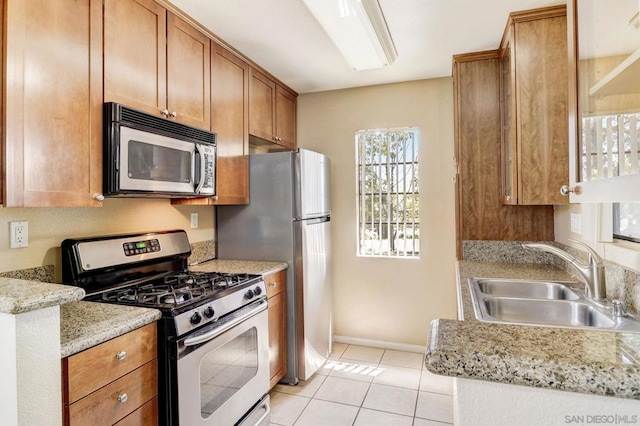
(213, 349)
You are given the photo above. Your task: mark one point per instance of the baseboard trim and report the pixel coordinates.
(379, 344)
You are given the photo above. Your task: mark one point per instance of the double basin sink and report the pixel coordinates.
(544, 303)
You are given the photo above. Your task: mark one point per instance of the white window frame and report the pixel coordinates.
(404, 222)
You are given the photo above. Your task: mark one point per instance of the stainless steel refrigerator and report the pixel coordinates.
(288, 219)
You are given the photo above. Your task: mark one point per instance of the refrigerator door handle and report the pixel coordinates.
(314, 220)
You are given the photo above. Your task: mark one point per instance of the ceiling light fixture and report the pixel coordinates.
(358, 29)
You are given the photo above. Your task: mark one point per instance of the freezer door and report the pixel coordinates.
(315, 295)
(313, 180)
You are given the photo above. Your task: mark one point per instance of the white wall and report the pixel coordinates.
(389, 300)
(48, 227)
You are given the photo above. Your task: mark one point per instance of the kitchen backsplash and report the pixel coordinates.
(622, 283)
(41, 273)
(201, 251)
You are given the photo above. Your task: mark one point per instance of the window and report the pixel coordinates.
(626, 221)
(388, 202)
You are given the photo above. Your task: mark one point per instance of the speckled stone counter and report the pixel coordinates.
(17, 295)
(86, 324)
(593, 362)
(240, 266)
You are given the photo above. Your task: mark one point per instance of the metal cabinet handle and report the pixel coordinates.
(98, 197)
(165, 112)
(508, 197)
(121, 355)
(122, 398)
(566, 190)
(173, 114)
(274, 284)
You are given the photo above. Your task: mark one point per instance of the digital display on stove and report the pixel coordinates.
(141, 247)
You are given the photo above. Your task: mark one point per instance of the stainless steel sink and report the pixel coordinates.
(528, 289)
(546, 312)
(544, 303)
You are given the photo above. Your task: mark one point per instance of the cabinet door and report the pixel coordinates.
(480, 212)
(53, 128)
(508, 122)
(262, 95)
(135, 54)
(188, 73)
(277, 336)
(230, 120)
(541, 71)
(285, 118)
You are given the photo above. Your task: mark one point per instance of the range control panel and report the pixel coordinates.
(140, 247)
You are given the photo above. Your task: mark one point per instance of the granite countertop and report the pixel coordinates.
(86, 324)
(239, 266)
(18, 295)
(593, 362)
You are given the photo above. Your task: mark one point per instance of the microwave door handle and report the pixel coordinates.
(198, 180)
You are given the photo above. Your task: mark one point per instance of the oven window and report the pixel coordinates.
(227, 369)
(153, 162)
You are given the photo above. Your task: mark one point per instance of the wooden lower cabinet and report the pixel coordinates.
(115, 382)
(145, 415)
(277, 305)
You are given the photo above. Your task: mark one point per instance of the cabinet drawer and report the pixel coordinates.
(276, 283)
(147, 415)
(93, 368)
(104, 407)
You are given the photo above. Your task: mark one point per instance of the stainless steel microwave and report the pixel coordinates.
(150, 156)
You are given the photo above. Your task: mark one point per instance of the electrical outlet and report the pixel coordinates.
(194, 220)
(576, 223)
(19, 234)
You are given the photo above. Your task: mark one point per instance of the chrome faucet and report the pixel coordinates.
(592, 273)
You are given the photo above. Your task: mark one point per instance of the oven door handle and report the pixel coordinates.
(212, 334)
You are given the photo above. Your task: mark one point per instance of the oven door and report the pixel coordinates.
(223, 370)
(155, 163)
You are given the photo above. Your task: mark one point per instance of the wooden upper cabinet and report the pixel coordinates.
(480, 213)
(188, 73)
(272, 111)
(534, 100)
(230, 120)
(262, 100)
(53, 103)
(156, 62)
(135, 54)
(285, 117)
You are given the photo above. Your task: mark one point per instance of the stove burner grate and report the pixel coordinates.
(176, 289)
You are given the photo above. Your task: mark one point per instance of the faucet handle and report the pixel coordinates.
(619, 309)
(594, 257)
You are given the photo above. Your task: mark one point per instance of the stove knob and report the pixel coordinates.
(196, 318)
(249, 294)
(257, 291)
(209, 312)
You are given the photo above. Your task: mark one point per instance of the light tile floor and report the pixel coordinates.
(364, 386)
